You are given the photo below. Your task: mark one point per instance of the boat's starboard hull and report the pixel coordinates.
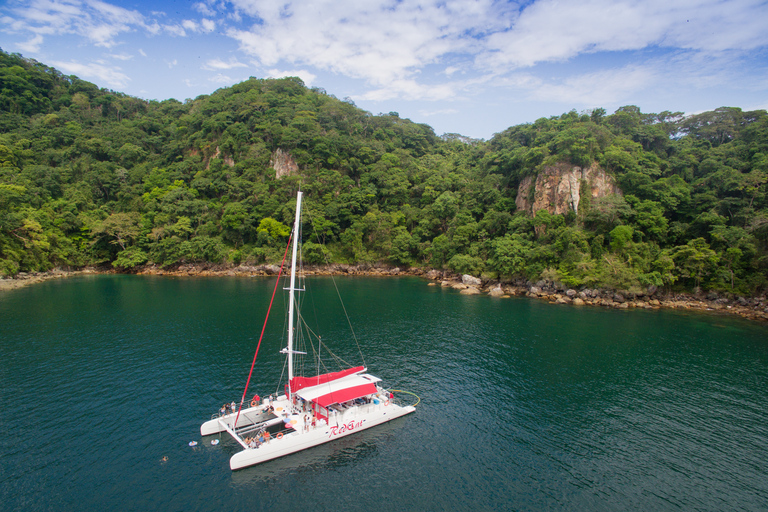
(298, 441)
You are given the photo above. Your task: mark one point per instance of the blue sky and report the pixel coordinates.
(473, 67)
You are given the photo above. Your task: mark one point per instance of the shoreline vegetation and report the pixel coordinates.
(93, 178)
(751, 308)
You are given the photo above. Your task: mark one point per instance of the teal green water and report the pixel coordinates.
(525, 405)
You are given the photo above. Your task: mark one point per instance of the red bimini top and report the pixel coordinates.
(298, 383)
(337, 387)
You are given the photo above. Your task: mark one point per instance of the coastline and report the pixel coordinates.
(752, 308)
(24, 279)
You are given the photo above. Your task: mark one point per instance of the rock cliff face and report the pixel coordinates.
(283, 164)
(227, 159)
(558, 188)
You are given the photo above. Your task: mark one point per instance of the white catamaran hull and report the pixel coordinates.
(339, 426)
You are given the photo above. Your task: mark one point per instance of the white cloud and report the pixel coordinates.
(181, 30)
(121, 56)
(551, 30)
(215, 64)
(176, 30)
(450, 70)
(142, 52)
(221, 79)
(173, 63)
(305, 75)
(411, 90)
(598, 88)
(204, 9)
(113, 76)
(153, 28)
(393, 46)
(96, 21)
(378, 41)
(31, 46)
(440, 112)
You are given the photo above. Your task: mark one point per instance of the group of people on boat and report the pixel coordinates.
(231, 408)
(228, 409)
(262, 437)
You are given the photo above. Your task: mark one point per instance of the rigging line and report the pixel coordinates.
(277, 282)
(302, 319)
(333, 280)
(340, 362)
(354, 337)
(317, 322)
(320, 341)
(317, 352)
(285, 365)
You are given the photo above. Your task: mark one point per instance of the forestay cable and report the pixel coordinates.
(277, 282)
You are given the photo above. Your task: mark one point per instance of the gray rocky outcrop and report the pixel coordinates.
(434, 274)
(471, 280)
(496, 291)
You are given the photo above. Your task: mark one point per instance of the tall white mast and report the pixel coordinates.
(292, 299)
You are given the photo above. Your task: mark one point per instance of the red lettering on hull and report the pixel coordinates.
(345, 427)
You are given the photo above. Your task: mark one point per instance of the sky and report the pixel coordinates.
(472, 67)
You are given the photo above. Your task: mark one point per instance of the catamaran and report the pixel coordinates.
(312, 410)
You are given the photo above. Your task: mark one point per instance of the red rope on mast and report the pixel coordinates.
(245, 391)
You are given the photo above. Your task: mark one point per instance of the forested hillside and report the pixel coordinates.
(90, 176)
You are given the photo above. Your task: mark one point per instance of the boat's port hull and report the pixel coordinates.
(301, 440)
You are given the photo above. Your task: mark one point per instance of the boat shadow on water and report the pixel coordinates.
(349, 450)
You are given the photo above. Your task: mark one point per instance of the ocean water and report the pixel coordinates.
(524, 405)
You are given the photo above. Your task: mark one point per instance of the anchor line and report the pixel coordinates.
(408, 393)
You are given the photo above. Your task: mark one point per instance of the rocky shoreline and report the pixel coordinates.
(23, 279)
(752, 308)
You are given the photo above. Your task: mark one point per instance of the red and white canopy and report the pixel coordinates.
(334, 388)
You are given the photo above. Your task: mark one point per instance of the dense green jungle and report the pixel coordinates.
(90, 176)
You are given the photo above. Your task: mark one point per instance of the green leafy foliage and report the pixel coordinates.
(93, 176)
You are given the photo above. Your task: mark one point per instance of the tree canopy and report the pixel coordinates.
(90, 176)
